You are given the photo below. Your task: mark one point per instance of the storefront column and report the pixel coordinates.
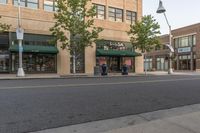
(9, 2)
(90, 59)
(191, 60)
(177, 62)
(41, 4)
(154, 63)
(63, 61)
(198, 61)
(139, 64)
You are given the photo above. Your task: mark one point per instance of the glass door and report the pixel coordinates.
(4, 63)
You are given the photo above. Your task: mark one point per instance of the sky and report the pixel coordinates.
(179, 13)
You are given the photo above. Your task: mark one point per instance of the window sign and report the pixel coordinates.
(183, 50)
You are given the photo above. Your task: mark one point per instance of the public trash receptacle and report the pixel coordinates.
(124, 70)
(104, 70)
(96, 70)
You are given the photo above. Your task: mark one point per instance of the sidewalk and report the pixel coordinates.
(28, 76)
(188, 123)
(54, 75)
(184, 119)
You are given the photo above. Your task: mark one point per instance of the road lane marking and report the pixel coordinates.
(98, 84)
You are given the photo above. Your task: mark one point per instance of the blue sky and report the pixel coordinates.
(179, 13)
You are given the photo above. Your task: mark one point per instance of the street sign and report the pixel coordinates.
(186, 49)
(20, 33)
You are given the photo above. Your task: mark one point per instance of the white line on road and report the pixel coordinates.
(98, 84)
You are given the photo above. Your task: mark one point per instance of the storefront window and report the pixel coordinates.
(161, 63)
(148, 64)
(4, 62)
(33, 39)
(35, 62)
(4, 53)
(184, 62)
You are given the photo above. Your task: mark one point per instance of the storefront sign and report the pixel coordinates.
(183, 50)
(108, 44)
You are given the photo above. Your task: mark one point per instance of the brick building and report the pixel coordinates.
(186, 42)
(39, 56)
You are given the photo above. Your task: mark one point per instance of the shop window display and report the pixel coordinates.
(36, 62)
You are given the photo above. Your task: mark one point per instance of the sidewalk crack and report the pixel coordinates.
(188, 129)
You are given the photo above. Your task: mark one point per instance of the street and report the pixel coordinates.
(38, 104)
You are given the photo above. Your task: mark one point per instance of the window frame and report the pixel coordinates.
(25, 3)
(131, 15)
(112, 15)
(53, 6)
(6, 2)
(99, 10)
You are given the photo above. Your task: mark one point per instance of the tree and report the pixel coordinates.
(144, 35)
(75, 18)
(4, 27)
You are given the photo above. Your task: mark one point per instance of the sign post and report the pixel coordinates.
(20, 36)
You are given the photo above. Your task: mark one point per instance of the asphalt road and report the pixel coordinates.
(37, 104)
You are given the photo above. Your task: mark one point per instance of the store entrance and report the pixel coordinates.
(114, 64)
(185, 63)
(4, 63)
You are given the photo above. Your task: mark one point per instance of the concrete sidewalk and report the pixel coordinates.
(55, 75)
(188, 123)
(184, 119)
(28, 76)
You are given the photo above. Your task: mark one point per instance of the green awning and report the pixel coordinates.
(35, 49)
(119, 53)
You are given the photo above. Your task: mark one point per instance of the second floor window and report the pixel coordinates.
(3, 1)
(186, 41)
(131, 17)
(50, 5)
(115, 14)
(27, 3)
(100, 11)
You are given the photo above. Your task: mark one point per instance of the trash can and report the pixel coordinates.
(104, 70)
(124, 70)
(97, 71)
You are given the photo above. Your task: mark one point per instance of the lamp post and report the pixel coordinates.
(20, 35)
(161, 9)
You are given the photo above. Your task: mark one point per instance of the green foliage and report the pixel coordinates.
(4, 27)
(75, 18)
(144, 34)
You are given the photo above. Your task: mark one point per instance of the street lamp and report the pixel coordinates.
(20, 36)
(161, 9)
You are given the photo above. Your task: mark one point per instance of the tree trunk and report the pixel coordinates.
(74, 62)
(145, 64)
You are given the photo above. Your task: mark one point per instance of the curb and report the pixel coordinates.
(90, 76)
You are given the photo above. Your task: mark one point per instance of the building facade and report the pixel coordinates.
(40, 56)
(186, 43)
